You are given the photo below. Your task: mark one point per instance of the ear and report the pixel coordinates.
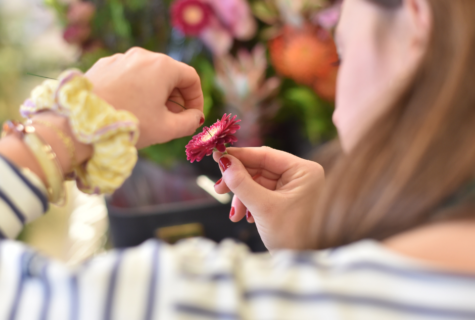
(419, 16)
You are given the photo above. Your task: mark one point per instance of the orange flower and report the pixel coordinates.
(305, 54)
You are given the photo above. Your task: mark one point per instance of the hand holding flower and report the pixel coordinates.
(279, 189)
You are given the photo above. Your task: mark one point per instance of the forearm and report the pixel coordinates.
(13, 148)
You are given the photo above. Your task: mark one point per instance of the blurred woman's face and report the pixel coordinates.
(377, 52)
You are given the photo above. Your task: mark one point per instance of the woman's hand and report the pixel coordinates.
(279, 189)
(143, 83)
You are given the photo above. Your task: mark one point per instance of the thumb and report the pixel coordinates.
(240, 182)
(184, 123)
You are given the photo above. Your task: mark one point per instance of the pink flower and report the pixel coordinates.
(217, 38)
(80, 12)
(328, 18)
(79, 16)
(190, 16)
(237, 17)
(215, 137)
(77, 34)
(215, 22)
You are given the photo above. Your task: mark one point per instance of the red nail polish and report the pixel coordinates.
(218, 182)
(202, 120)
(231, 214)
(224, 163)
(248, 215)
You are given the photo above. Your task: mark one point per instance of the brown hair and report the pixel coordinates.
(420, 153)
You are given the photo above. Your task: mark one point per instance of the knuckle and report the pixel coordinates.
(315, 169)
(134, 50)
(102, 61)
(194, 72)
(315, 166)
(267, 154)
(109, 59)
(115, 57)
(161, 56)
(161, 60)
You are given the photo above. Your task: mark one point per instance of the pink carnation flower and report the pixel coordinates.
(190, 16)
(213, 138)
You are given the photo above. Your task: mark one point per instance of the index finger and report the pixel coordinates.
(263, 158)
(188, 82)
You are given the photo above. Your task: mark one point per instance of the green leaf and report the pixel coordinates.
(89, 58)
(167, 154)
(60, 8)
(136, 5)
(316, 113)
(120, 23)
(264, 13)
(206, 71)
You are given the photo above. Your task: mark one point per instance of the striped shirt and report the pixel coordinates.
(199, 279)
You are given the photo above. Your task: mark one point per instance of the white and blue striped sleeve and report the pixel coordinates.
(22, 198)
(199, 279)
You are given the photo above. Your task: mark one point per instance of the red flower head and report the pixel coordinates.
(190, 16)
(215, 137)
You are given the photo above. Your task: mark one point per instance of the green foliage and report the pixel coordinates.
(119, 22)
(167, 154)
(89, 58)
(136, 5)
(60, 9)
(315, 113)
(206, 71)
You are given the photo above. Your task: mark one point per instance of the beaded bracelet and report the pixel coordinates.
(45, 156)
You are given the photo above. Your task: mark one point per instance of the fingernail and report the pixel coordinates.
(202, 120)
(248, 215)
(224, 163)
(218, 182)
(231, 214)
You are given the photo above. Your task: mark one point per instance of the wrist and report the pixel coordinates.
(82, 152)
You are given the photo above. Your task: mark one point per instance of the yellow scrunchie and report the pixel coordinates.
(113, 133)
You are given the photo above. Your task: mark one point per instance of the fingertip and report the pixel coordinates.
(220, 187)
(187, 122)
(238, 210)
(217, 155)
(249, 216)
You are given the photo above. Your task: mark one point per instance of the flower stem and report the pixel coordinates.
(209, 132)
(224, 153)
(37, 75)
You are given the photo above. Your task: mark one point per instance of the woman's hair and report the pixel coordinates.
(410, 164)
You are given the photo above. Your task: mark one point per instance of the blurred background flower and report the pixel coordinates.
(215, 22)
(79, 16)
(245, 87)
